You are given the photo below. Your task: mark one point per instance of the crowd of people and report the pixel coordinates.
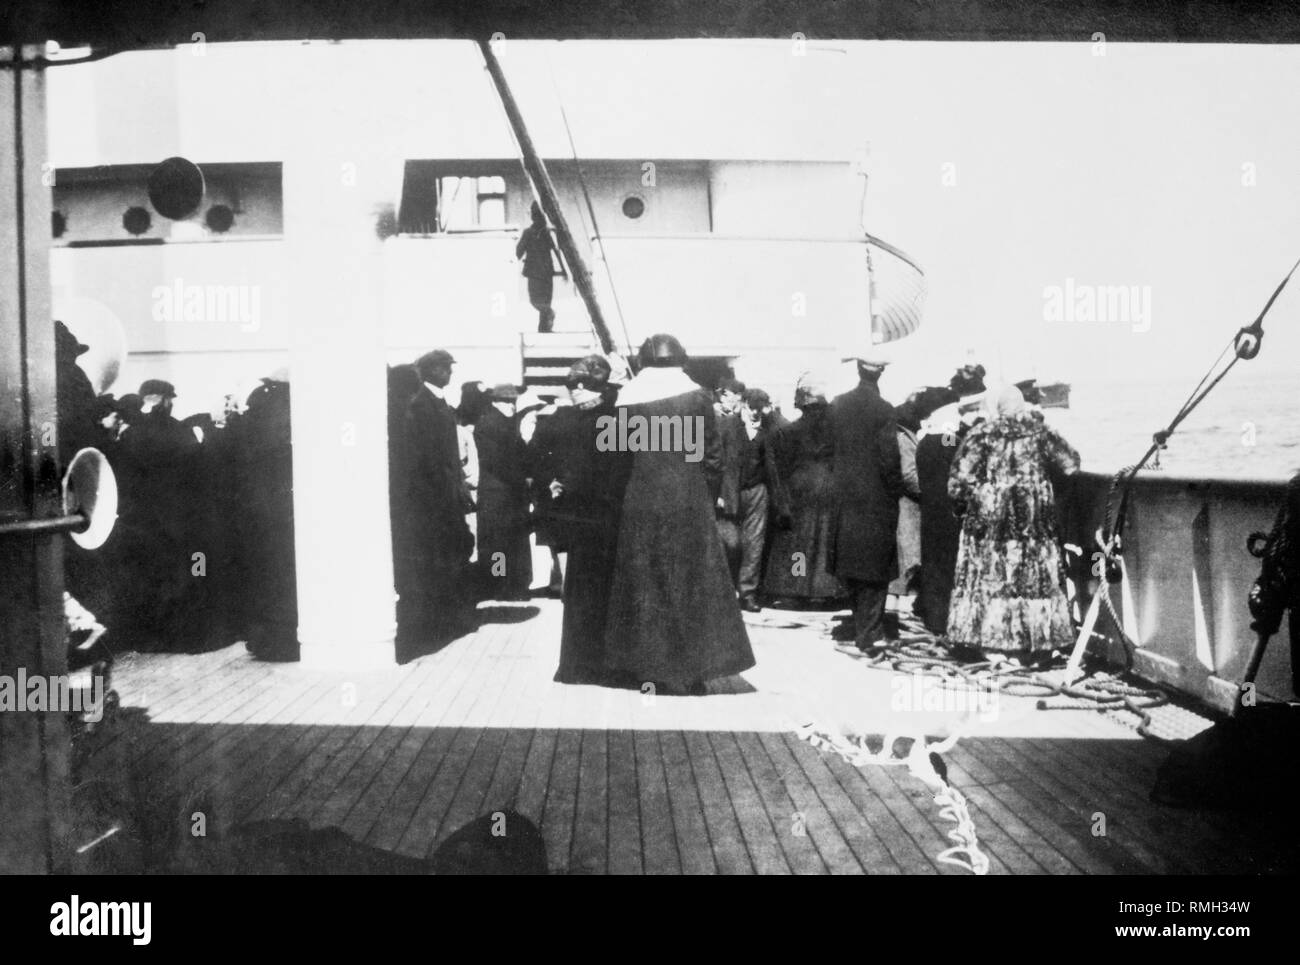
(947, 500)
(202, 553)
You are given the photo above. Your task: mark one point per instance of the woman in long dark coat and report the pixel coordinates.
(673, 620)
(1009, 592)
(585, 488)
(798, 560)
(504, 554)
(266, 525)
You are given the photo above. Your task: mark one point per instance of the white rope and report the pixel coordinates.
(965, 852)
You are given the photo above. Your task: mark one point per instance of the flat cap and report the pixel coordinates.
(157, 387)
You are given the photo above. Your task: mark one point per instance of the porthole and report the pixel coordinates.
(633, 206)
(136, 220)
(219, 218)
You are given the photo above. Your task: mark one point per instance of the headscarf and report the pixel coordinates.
(1011, 403)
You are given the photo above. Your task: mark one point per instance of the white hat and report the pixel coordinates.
(878, 355)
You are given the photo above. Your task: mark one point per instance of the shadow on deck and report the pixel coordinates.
(397, 760)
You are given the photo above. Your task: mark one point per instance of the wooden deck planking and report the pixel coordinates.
(368, 751)
(469, 801)
(589, 847)
(1070, 807)
(427, 819)
(659, 834)
(818, 824)
(733, 851)
(764, 832)
(621, 783)
(455, 692)
(418, 758)
(1094, 756)
(690, 824)
(867, 846)
(199, 705)
(1147, 831)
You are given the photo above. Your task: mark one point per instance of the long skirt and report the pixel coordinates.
(798, 558)
(1009, 596)
(587, 578)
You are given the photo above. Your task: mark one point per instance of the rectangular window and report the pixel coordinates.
(437, 200)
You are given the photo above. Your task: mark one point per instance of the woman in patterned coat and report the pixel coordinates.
(1009, 593)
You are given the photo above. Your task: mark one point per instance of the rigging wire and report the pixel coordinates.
(1244, 345)
(595, 227)
(519, 151)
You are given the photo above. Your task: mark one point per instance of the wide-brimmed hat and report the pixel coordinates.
(875, 356)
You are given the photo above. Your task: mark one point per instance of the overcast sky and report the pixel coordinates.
(1133, 168)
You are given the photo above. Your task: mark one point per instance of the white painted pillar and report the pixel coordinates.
(346, 612)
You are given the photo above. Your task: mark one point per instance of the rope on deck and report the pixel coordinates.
(933, 658)
(1100, 691)
(965, 852)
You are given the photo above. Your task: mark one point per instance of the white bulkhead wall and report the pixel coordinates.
(786, 199)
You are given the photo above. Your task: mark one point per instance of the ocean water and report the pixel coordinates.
(1247, 428)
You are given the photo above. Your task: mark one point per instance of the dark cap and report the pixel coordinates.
(757, 399)
(439, 356)
(128, 405)
(105, 405)
(157, 387)
(663, 351)
(590, 372)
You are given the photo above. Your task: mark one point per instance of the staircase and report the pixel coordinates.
(547, 358)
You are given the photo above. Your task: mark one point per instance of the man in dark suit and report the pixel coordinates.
(868, 483)
(434, 605)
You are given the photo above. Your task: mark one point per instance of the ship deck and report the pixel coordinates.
(619, 782)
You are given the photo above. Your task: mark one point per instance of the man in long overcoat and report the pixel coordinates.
(868, 483)
(434, 604)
